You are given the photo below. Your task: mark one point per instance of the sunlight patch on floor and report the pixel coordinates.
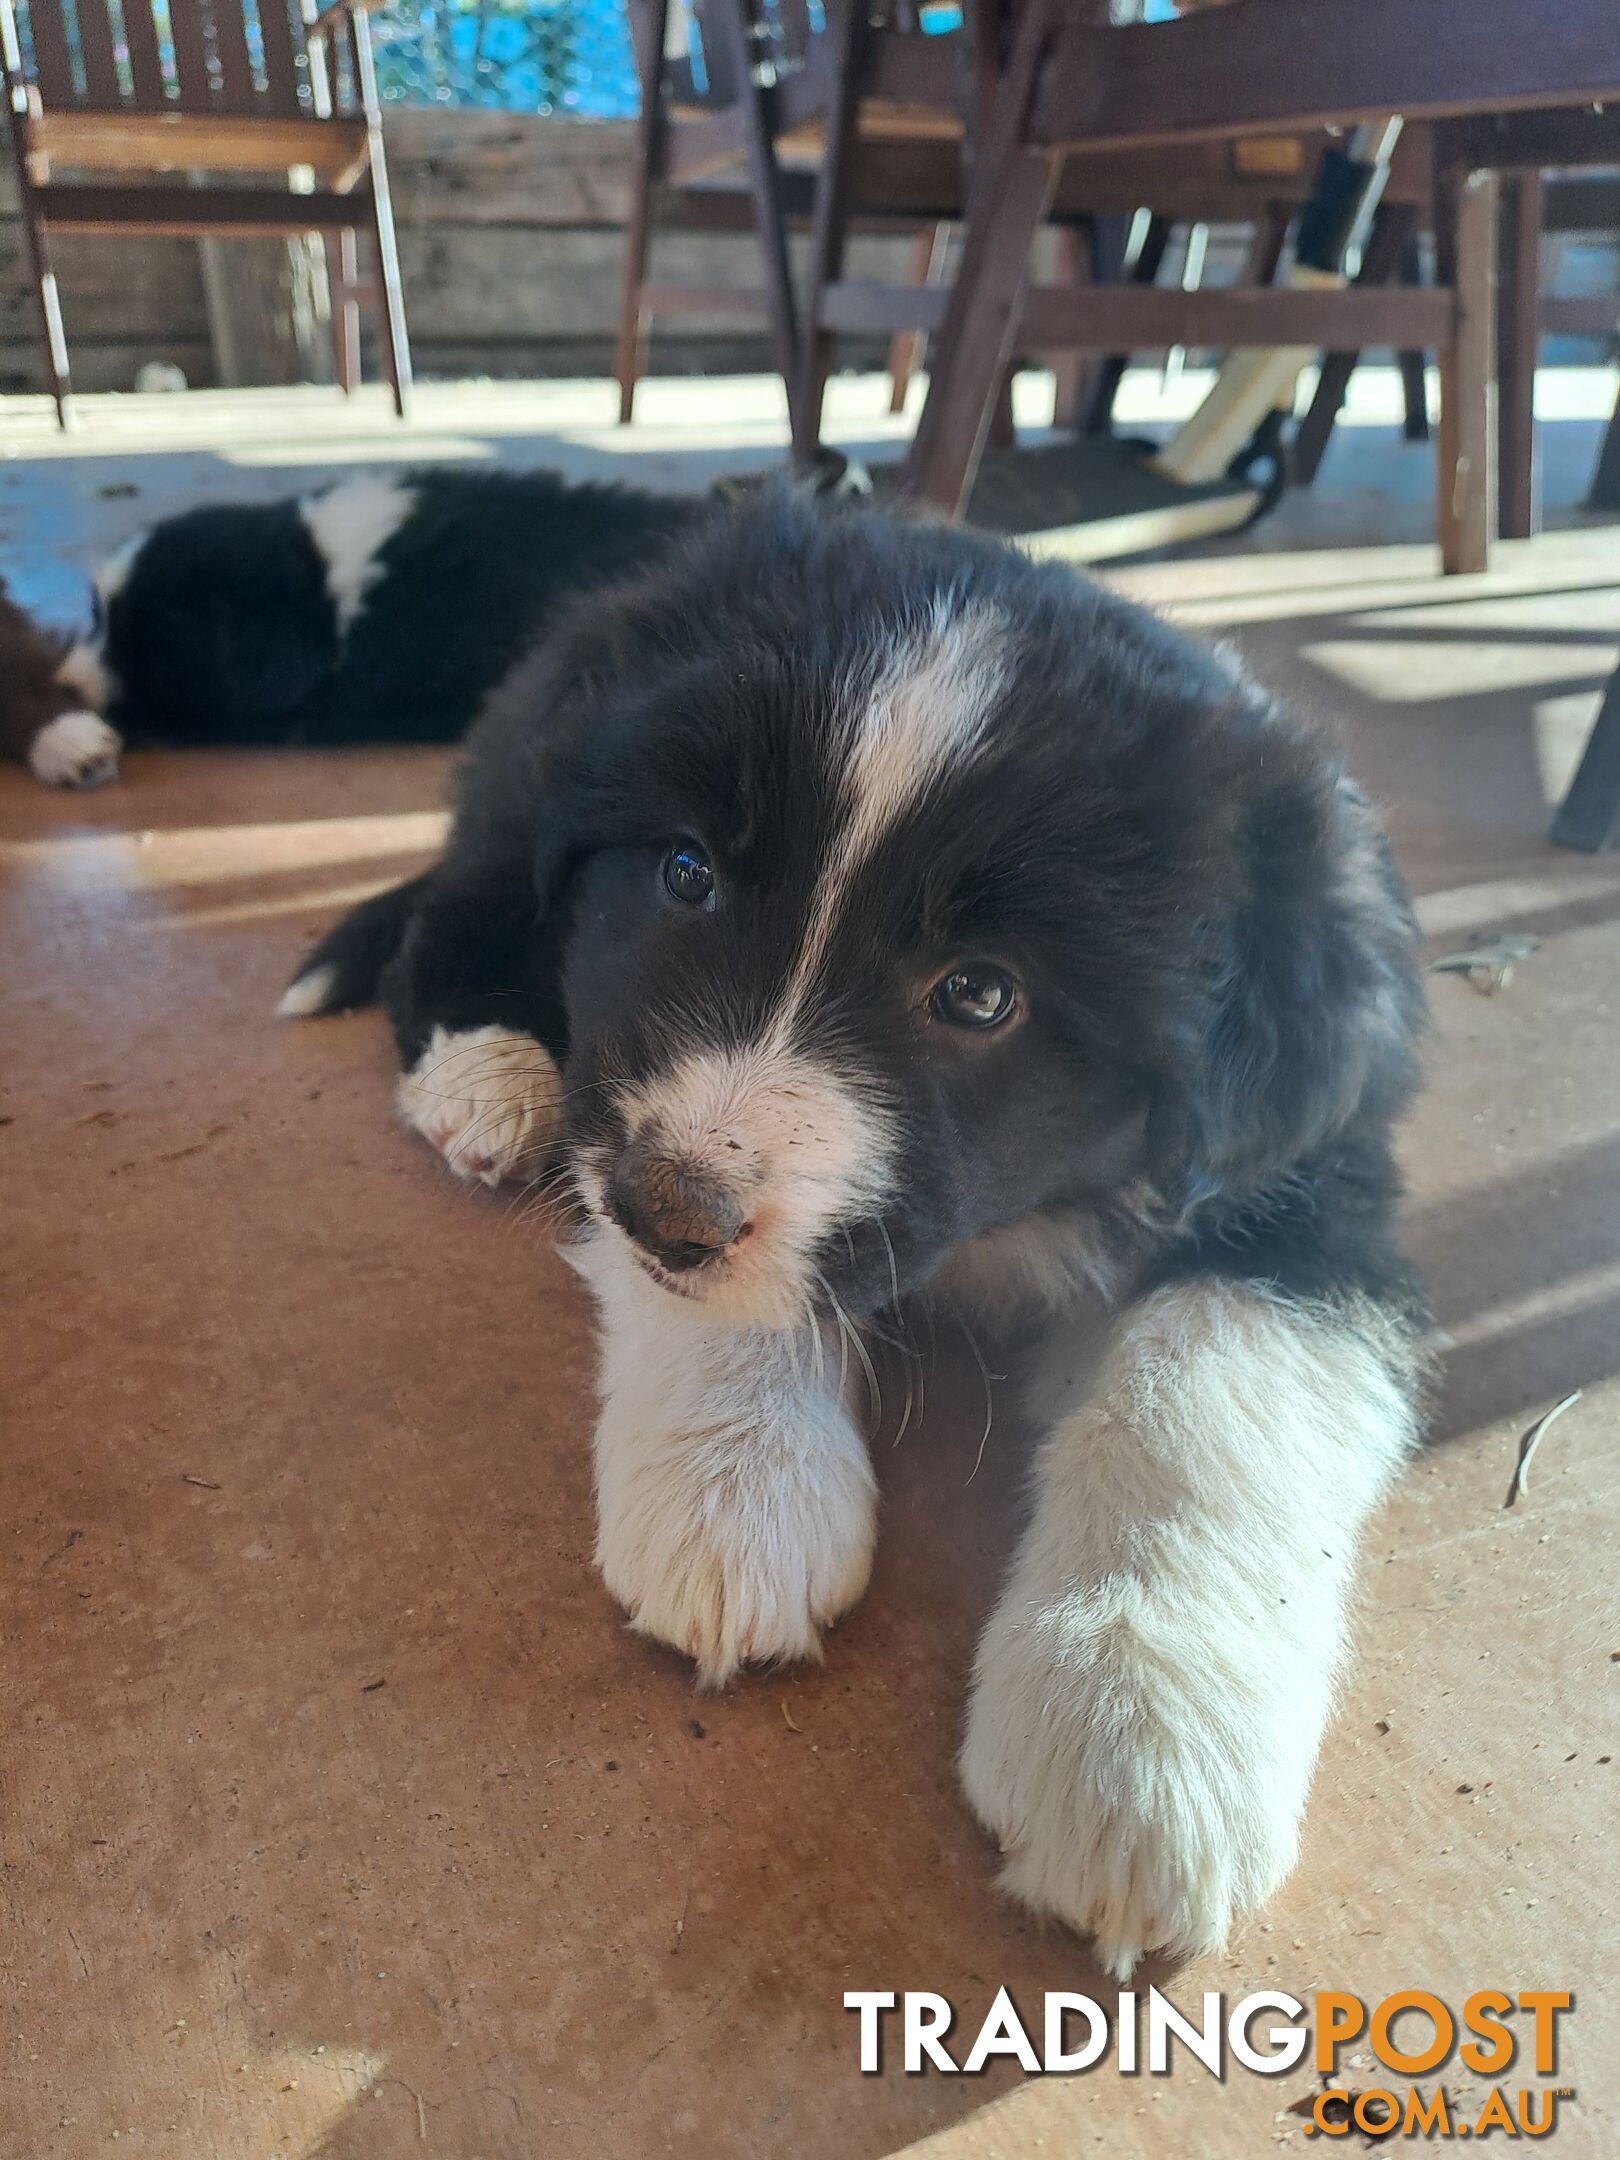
(219, 854)
(1460, 908)
(1405, 673)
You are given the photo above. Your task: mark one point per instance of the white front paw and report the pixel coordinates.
(737, 1550)
(486, 1098)
(1140, 1793)
(76, 750)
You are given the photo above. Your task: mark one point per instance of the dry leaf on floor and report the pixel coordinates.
(1531, 1441)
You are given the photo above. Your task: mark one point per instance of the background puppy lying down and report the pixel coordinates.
(864, 907)
(378, 610)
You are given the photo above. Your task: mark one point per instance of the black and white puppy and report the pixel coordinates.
(381, 609)
(867, 909)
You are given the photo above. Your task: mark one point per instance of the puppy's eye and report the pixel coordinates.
(689, 875)
(978, 996)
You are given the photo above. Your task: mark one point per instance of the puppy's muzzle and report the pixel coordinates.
(681, 1215)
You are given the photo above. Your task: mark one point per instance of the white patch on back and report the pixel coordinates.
(76, 749)
(113, 575)
(83, 668)
(350, 525)
(83, 671)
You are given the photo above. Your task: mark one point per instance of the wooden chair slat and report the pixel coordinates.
(96, 51)
(53, 61)
(282, 54)
(237, 90)
(191, 55)
(145, 65)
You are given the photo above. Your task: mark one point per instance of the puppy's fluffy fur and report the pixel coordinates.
(381, 609)
(877, 910)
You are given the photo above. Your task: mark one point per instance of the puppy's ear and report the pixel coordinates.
(530, 789)
(1311, 1002)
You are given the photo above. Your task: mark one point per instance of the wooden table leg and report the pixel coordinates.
(1518, 345)
(1465, 450)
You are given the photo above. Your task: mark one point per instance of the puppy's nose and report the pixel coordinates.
(678, 1213)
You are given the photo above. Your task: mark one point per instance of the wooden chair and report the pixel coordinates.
(781, 115)
(1073, 87)
(197, 109)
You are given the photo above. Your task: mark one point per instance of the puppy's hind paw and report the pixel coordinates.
(486, 1098)
(75, 750)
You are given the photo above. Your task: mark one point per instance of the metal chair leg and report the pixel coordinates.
(1588, 813)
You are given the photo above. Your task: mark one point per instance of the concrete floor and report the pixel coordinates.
(340, 1814)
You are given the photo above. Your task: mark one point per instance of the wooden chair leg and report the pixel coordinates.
(906, 346)
(396, 343)
(973, 344)
(1604, 493)
(48, 300)
(343, 277)
(1267, 242)
(1465, 449)
(1011, 188)
(1379, 264)
(395, 338)
(757, 104)
(1518, 345)
(1071, 371)
(1003, 430)
(1588, 813)
(1414, 366)
(830, 227)
(649, 21)
(1138, 267)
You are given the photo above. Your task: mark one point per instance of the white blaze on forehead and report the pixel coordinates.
(350, 525)
(923, 715)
